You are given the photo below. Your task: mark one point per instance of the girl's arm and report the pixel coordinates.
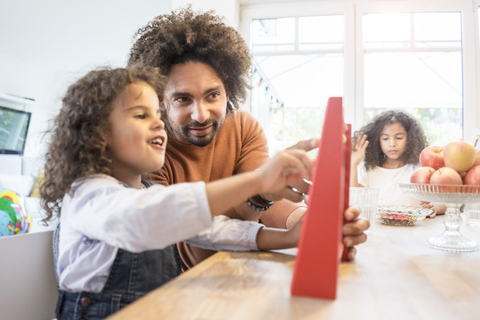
(285, 168)
(358, 153)
(272, 239)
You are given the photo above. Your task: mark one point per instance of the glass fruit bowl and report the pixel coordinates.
(401, 215)
(453, 196)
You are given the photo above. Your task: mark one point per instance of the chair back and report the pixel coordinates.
(28, 287)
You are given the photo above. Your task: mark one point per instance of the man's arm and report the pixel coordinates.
(254, 152)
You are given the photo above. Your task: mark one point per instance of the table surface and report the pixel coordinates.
(394, 276)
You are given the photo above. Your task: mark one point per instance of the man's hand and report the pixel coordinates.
(294, 192)
(354, 231)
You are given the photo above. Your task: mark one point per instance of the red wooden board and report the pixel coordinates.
(320, 245)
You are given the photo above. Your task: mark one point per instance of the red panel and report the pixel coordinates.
(320, 245)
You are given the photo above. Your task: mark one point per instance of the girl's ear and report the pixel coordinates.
(102, 134)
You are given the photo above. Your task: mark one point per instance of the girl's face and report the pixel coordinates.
(393, 141)
(137, 139)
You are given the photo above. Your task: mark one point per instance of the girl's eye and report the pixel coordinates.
(140, 116)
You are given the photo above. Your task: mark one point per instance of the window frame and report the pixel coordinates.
(353, 12)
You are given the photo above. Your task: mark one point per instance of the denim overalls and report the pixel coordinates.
(131, 277)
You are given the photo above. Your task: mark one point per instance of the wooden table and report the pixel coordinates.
(395, 276)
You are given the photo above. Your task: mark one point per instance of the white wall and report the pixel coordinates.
(46, 45)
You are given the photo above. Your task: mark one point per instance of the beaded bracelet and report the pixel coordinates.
(258, 204)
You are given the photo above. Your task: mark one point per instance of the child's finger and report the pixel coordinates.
(304, 158)
(352, 213)
(293, 164)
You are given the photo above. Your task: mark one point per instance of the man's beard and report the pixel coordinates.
(203, 141)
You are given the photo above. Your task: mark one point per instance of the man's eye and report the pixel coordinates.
(182, 99)
(214, 94)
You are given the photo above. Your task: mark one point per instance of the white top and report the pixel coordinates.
(103, 216)
(387, 181)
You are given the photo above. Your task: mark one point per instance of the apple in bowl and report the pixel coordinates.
(422, 175)
(477, 157)
(473, 176)
(433, 157)
(459, 155)
(446, 175)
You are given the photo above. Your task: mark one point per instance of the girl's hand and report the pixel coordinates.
(286, 168)
(437, 208)
(294, 233)
(354, 231)
(294, 192)
(358, 150)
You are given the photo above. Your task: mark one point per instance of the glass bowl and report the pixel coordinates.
(401, 215)
(453, 196)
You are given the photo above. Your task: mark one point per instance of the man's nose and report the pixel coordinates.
(200, 112)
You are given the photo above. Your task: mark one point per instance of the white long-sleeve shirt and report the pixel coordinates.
(103, 216)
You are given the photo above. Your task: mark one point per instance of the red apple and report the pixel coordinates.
(459, 155)
(446, 176)
(473, 176)
(477, 157)
(422, 175)
(432, 157)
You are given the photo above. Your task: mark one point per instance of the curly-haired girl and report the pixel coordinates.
(118, 233)
(391, 155)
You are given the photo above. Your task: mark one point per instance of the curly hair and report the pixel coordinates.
(416, 140)
(77, 148)
(186, 36)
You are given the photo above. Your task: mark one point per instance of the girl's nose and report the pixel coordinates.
(159, 124)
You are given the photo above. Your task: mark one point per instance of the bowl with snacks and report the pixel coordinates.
(394, 215)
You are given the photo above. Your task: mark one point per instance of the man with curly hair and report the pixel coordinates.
(207, 65)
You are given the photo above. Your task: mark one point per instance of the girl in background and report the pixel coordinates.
(391, 155)
(118, 232)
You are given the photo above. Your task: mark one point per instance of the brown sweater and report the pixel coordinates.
(239, 146)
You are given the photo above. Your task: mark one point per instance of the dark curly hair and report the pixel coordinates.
(416, 140)
(186, 36)
(77, 148)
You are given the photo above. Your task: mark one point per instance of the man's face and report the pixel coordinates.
(196, 102)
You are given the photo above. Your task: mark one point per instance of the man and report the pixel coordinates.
(207, 65)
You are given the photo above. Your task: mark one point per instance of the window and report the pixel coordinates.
(307, 49)
(417, 56)
(413, 62)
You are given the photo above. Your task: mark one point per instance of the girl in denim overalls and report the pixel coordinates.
(118, 232)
